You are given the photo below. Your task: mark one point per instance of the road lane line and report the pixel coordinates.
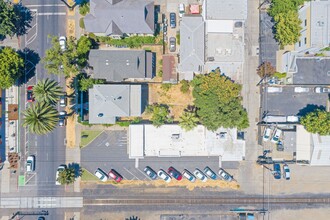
(51, 13)
(49, 5)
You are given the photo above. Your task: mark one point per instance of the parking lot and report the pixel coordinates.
(109, 151)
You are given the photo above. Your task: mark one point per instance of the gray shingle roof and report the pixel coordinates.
(125, 16)
(191, 44)
(106, 102)
(226, 9)
(118, 65)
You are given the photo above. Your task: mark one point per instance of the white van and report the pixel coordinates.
(274, 89)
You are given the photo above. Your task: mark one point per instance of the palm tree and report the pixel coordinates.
(40, 118)
(67, 176)
(47, 91)
(188, 120)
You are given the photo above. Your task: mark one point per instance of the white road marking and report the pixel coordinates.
(53, 5)
(131, 173)
(51, 13)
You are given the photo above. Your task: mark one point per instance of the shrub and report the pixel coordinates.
(84, 8)
(279, 75)
(123, 123)
(184, 86)
(166, 86)
(81, 23)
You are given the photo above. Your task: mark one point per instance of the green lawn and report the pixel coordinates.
(88, 136)
(88, 176)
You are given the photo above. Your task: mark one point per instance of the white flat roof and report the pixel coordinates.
(220, 26)
(321, 150)
(303, 144)
(173, 141)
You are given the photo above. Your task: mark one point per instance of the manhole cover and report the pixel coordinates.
(107, 144)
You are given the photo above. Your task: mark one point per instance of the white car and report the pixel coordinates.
(276, 136)
(322, 90)
(30, 163)
(63, 100)
(225, 175)
(101, 175)
(62, 41)
(62, 113)
(200, 175)
(267, 133)
(181, 10)
(301, 89)
(286, 172)
(163, 175)
(274, 89)
(59, 169)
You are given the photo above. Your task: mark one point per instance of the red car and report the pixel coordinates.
(174, 173)
(115, 175)
(29, 94)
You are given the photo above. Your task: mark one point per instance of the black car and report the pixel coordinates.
(277, 171)
(173, 20)
(150, 172)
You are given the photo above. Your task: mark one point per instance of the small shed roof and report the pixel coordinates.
(169, 70)
(194, 9)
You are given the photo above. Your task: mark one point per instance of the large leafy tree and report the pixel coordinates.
(40, 118)
(218, 102)
(11, 65)
(8, 18)
(266, 69)
(47, 91)
(67, 176)
(188, 120)
(284, 6)
(317, 122)
(287, 28)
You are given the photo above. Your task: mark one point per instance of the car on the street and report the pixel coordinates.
(63, 101)
(300, 89)
(200, 175)
(150, 172)
(29, 94)
(115, 175)
(173, 20)
(163, 175)
(276, 136)
(267, 134)
(189, 175)
(62, 41)
(286, 172)
(225, 175)
(58, 171)
(99, 173)
(174, 173)
(41, 218)
(277, 171)
(62, 122)
(274, 89)
(210, 173)
(322, 89)
(181, 10)
(62, 113)
(30, 163)
(172, 44)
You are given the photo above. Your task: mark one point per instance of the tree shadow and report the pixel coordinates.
(77, 169)
(24, 18)
(310, 108)
(31, 59)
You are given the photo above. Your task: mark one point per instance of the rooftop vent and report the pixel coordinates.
(175, 136)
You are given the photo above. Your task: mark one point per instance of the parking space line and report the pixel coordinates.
(34, 174)
(131, 173)
(147, 177)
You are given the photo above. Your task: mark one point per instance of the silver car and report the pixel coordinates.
(30, 163)
(163, 175)
(172, 44)
(200, 175)
(225, 175)
(189, 175)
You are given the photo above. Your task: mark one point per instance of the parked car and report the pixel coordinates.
(189, 175)
(63, 101)
(173, 20)
(115, 175)
(62, 113)
(174, 173)
(276, 136)
(267, 134)
(59, 170)
(279, 146)
(62, 122)
(322, 90)
(181, 10)
(30, 163)
(150, 172)
(210, 173)
(200, 175)
(62, 41)
(274, 89)
(277, 171)
(29, 94)
(172, 44)
(99, 173)
(286, 172)
(163, 175)
(225, 175)
(301, 89)
(41, 218)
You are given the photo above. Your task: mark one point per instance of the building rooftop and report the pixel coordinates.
(226, 10)
(169, 69)
(119, 65)
(320, 23)
(312, 71)
(172, 140)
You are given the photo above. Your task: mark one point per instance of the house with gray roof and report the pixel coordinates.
(107, 102)
(192, 44)
(117, 18)
(121, 65)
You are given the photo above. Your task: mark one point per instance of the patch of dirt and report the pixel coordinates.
(71, 28)
(71, 120)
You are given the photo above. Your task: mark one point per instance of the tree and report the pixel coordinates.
(317, 121)
(287, 26)
(47, 91)
(11, 65)
(160, 114)
(188, 120)
(184, 86)
(8, 18)
(218, 102)
(266, 69)
(84, 45)
(67, 176)
(40, 118)
(84, 8)
(86, 83)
